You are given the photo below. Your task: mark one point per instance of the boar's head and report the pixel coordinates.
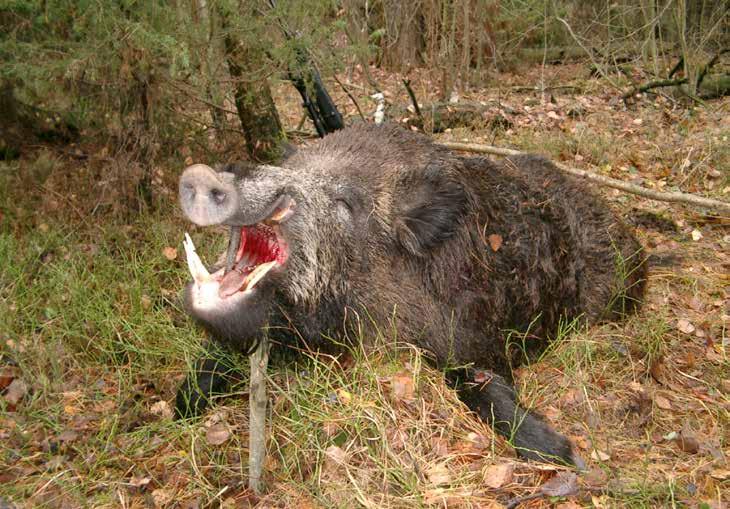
(333, 223)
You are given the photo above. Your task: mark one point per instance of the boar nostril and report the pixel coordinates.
(189, 191)
(218, 196)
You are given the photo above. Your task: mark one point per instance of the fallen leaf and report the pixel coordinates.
(496, 476)
(7, 375)
(596, 477)
(161, 497)
(685, 326)
(568, 505)
(162, 409)
(495, 242)
(720, 474)
(68, 436)
(439, 446)
(402, 387)
(217, 434)
(344, 396)
(562, 485)
(170, 253)
(662, 402)
(600, 455)
(687, 441)
(16, 391)
(336, 454)
(139, 482)
(439, 474)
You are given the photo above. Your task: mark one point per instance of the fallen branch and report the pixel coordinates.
(600, 179)
(259, 360)
(412, 95)
(654, 84)
(679, 81)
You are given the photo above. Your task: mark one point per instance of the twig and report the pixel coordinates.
(703, 72)
(679, 81)
(654, 84)
(407, 84)
(676, 67)
(589, 53)
(545, 89)
(600, 179)
(259, 360)
(352, 97)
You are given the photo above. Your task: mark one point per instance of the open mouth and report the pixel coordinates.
(253, 252)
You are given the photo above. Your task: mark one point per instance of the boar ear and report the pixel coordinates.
(430, 207)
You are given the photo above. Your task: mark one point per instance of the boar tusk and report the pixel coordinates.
(197, 269)
(258, 273)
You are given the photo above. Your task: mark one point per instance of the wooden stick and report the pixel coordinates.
(412, 95)
(259, 360)
(654, 84)
(600, 179)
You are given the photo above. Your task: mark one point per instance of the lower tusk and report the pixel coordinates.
(197, 269)
(258, 274)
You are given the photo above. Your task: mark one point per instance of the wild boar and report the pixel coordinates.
(458, 253)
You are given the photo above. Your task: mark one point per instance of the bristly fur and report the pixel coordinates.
(393, 227)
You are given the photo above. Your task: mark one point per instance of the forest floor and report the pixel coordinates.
(94, 342)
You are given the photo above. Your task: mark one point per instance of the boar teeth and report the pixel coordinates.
(197, 269)
(257, 274)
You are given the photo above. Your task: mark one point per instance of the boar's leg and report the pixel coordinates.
(495, 400)
(212, 375)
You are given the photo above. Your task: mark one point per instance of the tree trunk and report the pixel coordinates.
(254, 102)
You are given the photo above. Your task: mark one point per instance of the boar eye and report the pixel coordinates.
(344, 210)
(343, 203)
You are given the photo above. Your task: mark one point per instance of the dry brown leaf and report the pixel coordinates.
(662, 402)
(7, 375)
(68, 436)
(139, 482)
(687, 441)
(16, 391)
(217, 434)
(569, 505)
(562, 485)
(402, 386)
(170, 253)
(720, 474)
(600, 455)
(162, 409)
(336, 454)
(439, 446)
(495, 242)
(685, 326)
(496, 476)
(344, 396)
(439, 474)
(161, 497)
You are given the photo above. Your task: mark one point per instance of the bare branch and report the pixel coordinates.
(259, 360)
(600, 179)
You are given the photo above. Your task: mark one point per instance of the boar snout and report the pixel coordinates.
(207, 197)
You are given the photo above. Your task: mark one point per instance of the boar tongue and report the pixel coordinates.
(231, 283)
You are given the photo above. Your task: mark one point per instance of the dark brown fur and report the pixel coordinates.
(398, 229)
